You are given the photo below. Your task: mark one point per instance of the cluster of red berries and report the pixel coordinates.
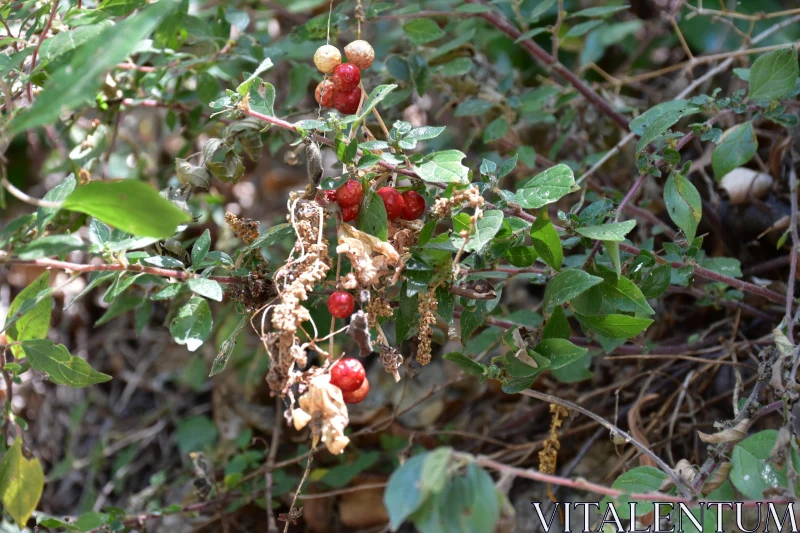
(408, 205)
(349, 375)
(343, 90)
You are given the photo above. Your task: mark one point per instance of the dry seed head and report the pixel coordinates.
(360, 53)
(327, 57)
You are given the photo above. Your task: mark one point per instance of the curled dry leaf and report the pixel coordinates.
(359, 331)
(730, 435)
(741, 184)
(717, 478)
(635, 424)
(685, 472)
(370, 256)
(781, 445)
(324, 409)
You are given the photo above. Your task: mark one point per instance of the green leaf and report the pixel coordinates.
(567, 286)
(227, 346)
(21, 483)
(624, 295)
(684, 204)
(773, 75)
(615, 326)
(659, 124)
(547, 187)
(422, 30)
(244, 87)
(206, 287)
(372, 218)
(407, 315)
(192, 325)
(59, 193)
(76, 83)
(557, 326)
(62, 368)
(612, 248)
(200, 248)
(473, 107)
(197, 433)
(129, 205)
(341, 475)
(495, 130)
(29, 314)
(521, 256)
(485, 230)
(50, 245)
(436, 470)
(546, 241)
(456, 67)
(404, 493)
(273, 235)
(561, 352)
(738, 146)
(375, 97)
(466, 364)
(583, 28)
(613, 231)
(638, 480)
(261, 100)
(752, 472)
(656, 281)
(601, 11)
(444, 167)
(646, 119)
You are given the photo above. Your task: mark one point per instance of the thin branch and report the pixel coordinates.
(18, 194)
(791, 282)
(42, 37)
(540, 55)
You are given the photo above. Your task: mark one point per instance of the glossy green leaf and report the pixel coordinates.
(372, 218)
(29, 314)
(752, 472)
(613, 231)
(567, 286)
(375, 97)
(663, 122)
(738, 146)
(485, 230)
(129, 205)
(616, 326)
(656, 282)
(646, 119)
(192, 325)
(557, 325)
(774, 75)
(561, 352)
(21, 483)
(444, 167)
(200, 248)
(624, 295)
(466, 364)
(61, 367)
(75, 84)
(546, 241)
(547, 187)
(684, 204)
(521, 256)
(206, 287)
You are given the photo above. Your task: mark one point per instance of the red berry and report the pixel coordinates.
(414, 205)
(324, 93)
(341, 304)
(348, 374)
(346, 102)
(392, 201)
(350, 213)
(346, 77)
(349, 194)
(357, 395)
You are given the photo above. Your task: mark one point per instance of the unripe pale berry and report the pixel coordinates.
(346, 102)
(324, 93)
(360, 53)
(348, 374)
(341, 304)
(357, 395)
(327, 57)
(346, 77)
(392, 201)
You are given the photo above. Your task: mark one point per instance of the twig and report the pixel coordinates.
(686, 491)
(24, 197)
(272, 525)
(540, 55)
(793, 263)
(42, 37)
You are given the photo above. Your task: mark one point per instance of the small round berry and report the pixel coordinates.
(346, 77)
(324, 93)
(346, 102)
(357, 395)
(350, 213)
(326, 197)
(360, 53)
(327, 57)
(414, 205)
(349, 194)
(348, 374)
(341, 304)
(392, 201)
